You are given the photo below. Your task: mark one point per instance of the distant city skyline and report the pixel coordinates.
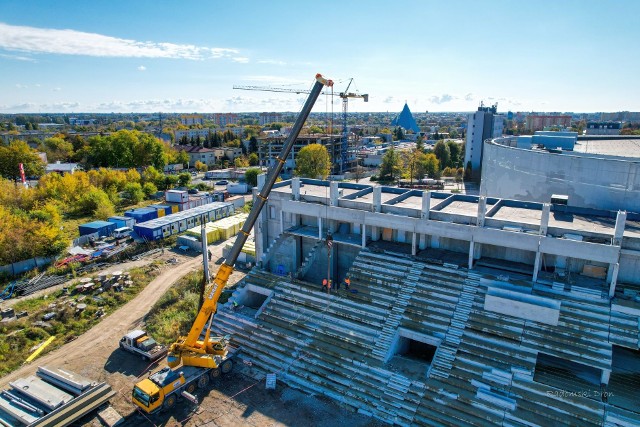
(149, 56)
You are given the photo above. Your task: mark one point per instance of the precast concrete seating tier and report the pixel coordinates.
(482, 374)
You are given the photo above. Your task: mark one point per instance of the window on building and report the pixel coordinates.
(272, 212)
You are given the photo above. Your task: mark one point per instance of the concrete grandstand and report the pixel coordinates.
(462, 310)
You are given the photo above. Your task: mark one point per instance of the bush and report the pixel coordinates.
(133, 193)
(149, 189)
(373, 178)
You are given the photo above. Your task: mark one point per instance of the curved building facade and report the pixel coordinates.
(600, 173)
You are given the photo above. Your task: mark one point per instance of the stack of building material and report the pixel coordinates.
(53, 397)
(222, 229)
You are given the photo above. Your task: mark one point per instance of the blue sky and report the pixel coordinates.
(185, 56)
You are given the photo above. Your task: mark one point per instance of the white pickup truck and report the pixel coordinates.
(138, 342)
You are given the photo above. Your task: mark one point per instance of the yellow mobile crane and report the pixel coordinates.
(210, 357)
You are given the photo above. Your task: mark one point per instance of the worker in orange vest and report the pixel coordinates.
(324, 284)
(329, 285)
(347, 283)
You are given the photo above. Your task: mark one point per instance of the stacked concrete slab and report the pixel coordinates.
(483, 371)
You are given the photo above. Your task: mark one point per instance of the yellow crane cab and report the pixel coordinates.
(149, 394)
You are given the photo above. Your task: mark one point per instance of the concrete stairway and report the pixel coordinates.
(308, 261)
(273, 247)
(443, 360)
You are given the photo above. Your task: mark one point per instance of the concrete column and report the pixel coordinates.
(435, 242)
(261, 180)
(471, 253)
(413, 243)
(426, 204)
(606, 374)
(614, 280)
(295, 188)
(258, 232)
(619, 230)
(536, 264)
(281, 222)
(377, 198)
(333, 193)
(319, 228)
(544, 218)
(296, 255)
(364, 235)
(375, 234)
(482, 211)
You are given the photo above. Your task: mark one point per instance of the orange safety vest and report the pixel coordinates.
(347, 281)
(324, 282)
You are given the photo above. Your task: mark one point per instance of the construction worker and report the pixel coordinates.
(209, 253)
(329, 285)
(324, 284)
(347, 283)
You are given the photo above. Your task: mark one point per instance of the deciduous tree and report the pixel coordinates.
(313, 161)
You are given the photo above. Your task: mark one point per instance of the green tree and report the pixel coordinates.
(241, 162)
(94, 202)
(253, 159)
(184, 179)
(253, 144)
(201, 167)
(251, 176)
(57, 149)
(19, 152)
(390, 167)
(441, 150)
(313, 161)
(133, 193)
(315, 129)
(454, 151)
(151, 174)
(149, 189)
(429, 166)
(398, 134)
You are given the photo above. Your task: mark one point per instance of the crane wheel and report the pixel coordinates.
(215, 373)
(203, 381)
(169, 401)
(227, 366)
(191, 387)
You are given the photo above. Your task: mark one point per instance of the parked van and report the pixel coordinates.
(121, 232)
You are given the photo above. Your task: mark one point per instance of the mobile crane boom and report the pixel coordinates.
(189, 350)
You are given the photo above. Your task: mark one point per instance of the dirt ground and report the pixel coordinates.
(236, 400)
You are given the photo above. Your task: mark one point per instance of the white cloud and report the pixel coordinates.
(272, 62)
(468, 97)
(142, 68)
(17, 57)
(21, 86)
(442, 99)
(57, 89)
(240, 59)
(389, 100)
(71, 42)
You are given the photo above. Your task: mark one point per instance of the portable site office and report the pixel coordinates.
(180, 222)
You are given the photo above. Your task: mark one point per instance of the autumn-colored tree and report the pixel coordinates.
(313, 161)
(19, 152)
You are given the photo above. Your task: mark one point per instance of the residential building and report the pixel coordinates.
(191, 133)
(208, 156)
(192, 119)
(62, 168)
(539, 122)
(225, 119)
(267, 118)
(484, 124)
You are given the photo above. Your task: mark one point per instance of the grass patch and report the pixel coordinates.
(21, 337)
(173, 315)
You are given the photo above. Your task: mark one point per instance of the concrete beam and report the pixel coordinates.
(614, 280)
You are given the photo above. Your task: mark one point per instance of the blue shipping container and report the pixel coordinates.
(122, 221)
(103, 228)
(142, 214)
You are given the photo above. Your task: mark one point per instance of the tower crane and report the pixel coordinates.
(345, 95)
